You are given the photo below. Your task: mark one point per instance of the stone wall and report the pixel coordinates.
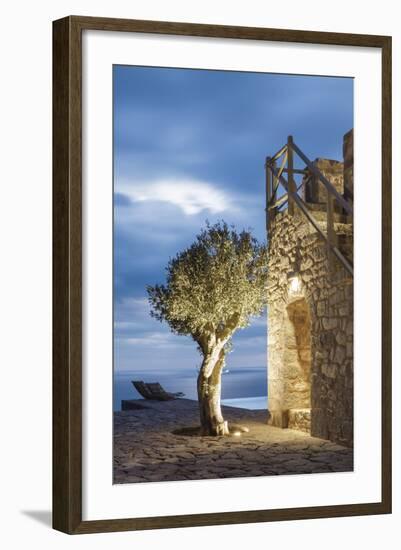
(314, 191)
(348, 152)
(310, 330)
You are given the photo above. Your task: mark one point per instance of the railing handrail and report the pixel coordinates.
(294, 199)
(279, 153)
(329, 186)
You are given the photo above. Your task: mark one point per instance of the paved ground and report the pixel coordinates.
(146, 449)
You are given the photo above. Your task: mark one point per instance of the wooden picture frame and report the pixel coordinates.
(67, 273)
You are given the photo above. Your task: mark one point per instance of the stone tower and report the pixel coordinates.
(310, 310)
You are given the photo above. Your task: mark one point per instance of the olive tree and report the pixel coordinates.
(212, 289)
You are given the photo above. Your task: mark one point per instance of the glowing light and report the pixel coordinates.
(237, 434)
(294, 283)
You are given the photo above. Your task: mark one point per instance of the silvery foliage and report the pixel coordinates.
(213, 287)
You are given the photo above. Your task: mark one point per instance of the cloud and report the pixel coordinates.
(191, 196)
(156, 340)
(135, 328)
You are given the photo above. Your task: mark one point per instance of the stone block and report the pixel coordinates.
(329, 370)
(132, 404)
(341, 338)
(315, 191)
(278, 418)
(348, 153)
(307, 264)
(319, 423)
(329, 323)
(304, 355)
(321, 308)
(299, 419)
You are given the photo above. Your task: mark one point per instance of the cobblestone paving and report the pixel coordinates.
(146, 449)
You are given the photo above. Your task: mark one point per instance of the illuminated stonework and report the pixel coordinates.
(310, 325)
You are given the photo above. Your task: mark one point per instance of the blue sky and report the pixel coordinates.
(189, 146)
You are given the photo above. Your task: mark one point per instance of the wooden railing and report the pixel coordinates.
(283, 163)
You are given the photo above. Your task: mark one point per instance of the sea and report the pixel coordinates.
(242, 387)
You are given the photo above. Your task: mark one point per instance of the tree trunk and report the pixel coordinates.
(209, 393)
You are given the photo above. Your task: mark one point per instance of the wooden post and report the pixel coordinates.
(331, 236)
(291, 182)
(268, 191)
(274, 185)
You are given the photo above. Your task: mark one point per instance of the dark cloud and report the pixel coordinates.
(220, 125)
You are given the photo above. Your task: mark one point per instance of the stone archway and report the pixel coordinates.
(290, 362)
(297, 364)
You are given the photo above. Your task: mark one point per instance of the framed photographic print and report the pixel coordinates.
(222, 274)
